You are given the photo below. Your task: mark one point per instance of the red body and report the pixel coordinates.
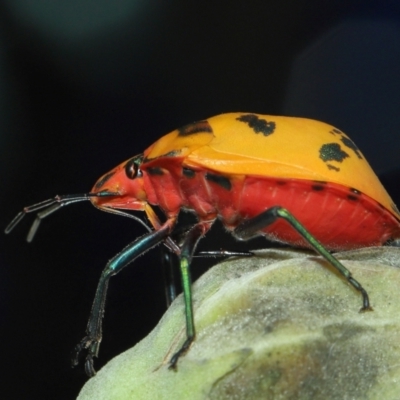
(340, 218)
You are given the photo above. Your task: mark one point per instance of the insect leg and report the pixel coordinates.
(169, 263)
(91, 342)
(185, 258)
(168, 266)
(251, 226)
(223, 253)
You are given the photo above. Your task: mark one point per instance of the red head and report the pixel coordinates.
(126, 181)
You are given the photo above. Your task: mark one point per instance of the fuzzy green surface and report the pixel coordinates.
(281, 325)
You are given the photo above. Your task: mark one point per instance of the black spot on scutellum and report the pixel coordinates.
(103, 180)
(196, 127)
(258, 125)
(347, 142)
(351, 145)
(220, 180)
(332, 167)
(332, 152)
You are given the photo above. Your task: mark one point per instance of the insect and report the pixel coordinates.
(293, 180)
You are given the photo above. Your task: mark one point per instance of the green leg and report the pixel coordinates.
(254, 225)
(169, 264)
(91, 342)
(188, 248)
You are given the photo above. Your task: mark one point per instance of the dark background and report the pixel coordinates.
(87, 84)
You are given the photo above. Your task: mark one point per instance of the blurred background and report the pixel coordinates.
(86, 84)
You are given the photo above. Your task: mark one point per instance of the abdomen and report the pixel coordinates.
(340, 218)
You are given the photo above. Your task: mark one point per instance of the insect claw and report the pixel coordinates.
(92, 347)
(89, 368)
(77, 350)
(364, 309)
(173, 364)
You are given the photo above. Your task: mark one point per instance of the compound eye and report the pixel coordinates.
(132, 169)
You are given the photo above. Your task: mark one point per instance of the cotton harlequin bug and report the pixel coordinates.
(294, 180)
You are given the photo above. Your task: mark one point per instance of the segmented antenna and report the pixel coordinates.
(49, 206)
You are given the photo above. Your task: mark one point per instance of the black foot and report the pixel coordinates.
(179, 353)
(92, 347)
(366, 305)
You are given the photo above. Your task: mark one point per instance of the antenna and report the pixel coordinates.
(48, 207)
